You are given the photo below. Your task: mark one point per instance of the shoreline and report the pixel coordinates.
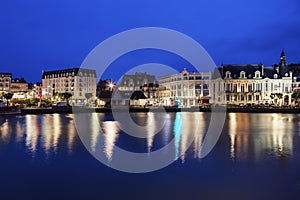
(69, 110)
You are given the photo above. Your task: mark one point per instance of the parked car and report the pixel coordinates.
(61, 103)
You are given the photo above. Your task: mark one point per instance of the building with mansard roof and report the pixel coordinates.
(253, 84)
(77, 81)
(139, 82)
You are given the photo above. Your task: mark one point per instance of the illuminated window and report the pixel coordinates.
(257, 74)
(243, 74)
(228, 74)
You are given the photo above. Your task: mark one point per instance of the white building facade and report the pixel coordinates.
(252, 84)
(185, 89)
(77, 81)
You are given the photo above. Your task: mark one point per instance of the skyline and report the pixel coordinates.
(52, 35)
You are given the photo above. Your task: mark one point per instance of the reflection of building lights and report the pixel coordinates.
(32, 133)
(151, 130)
(177, 133)
(95, 130)
(111, 130)
(71, 135)
(232, 133)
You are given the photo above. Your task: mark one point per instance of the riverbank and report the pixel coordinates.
(25, 111)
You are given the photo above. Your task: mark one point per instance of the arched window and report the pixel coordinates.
(243, 74)
(275, 76)
(228, 74)
(257, 74)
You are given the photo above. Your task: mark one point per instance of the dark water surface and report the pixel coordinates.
(256, 157)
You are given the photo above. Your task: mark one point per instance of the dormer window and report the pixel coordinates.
(275, 76)
(257, 74)
(228, 74)
(249, 75)
(243, 74)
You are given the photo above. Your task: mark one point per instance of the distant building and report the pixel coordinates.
(5, 82)
(38, 90)
(19, 85)
(185, 89)
(77, 81)
(253, 84)
(139, 82)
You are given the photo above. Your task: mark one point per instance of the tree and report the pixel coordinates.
(8, 96)
(64, 96)
(296, 95)
(88, 96)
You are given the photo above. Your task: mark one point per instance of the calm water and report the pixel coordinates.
(256, 157)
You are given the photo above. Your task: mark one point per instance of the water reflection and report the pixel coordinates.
(110, 133)
(247, 136)
(39, 133)
(52, 130)
(260, 134)
(32, 132)
(4, 130)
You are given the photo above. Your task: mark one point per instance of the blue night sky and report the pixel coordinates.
(54, 34)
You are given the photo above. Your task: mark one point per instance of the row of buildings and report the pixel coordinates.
(228, 84)
(238, 84)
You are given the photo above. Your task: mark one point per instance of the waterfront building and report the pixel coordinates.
(38, 90)
(253, 84)
(185, 89)
(77, 81)
(5, 81)
(135, 89)
(139, 82)
(19, 85)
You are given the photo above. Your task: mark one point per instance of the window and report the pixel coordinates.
(286, 88)
(275, 76)
(242, 88)
(243, 74)
(227, 98)
(249, 87)
(228, 74)
(257, 97)
(234, 87)
(227, 87)
(242, 98)
(257, 74)
(249, 98)
(257, 87)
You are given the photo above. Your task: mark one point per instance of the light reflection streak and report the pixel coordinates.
(19, 132)
(110, 133)
(187, 128)
(71, 135)
(4, 130)
(199, 134)
(151, 130)
(177, 133)
(282, 141)
(95, 130)
(32, 132)
(232, 133)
